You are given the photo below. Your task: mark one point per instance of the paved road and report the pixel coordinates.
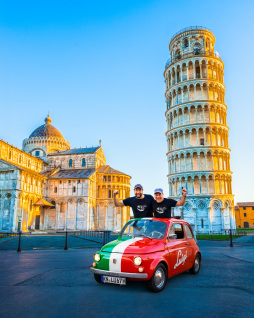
(245, 239)
(58, 283)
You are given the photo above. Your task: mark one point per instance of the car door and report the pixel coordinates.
(190, 241)
(178, 249)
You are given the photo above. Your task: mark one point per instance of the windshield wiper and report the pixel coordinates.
(127, 235)
(141, 234)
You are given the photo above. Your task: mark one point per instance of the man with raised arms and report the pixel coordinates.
(162, 207)
(141, 204)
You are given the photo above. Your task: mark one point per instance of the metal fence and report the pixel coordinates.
(96, 239)
(190, 28)
(234, 236)
(226, 233)
(57, 240)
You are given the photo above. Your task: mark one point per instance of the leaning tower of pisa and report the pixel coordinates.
(197, 132)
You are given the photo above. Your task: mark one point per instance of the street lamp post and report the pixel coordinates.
(19, 223)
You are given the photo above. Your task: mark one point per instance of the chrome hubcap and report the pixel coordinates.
(196, 264)
(159, 278)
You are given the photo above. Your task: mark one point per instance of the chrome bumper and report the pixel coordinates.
(118, 274)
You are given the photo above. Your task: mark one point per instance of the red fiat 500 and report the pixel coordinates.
(148, 249)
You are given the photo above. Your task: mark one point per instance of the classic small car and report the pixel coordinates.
(148, 249)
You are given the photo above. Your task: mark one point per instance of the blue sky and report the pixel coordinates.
(97, 67)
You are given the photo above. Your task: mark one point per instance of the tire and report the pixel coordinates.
(97, 278)
(196, 266)
(159, 279)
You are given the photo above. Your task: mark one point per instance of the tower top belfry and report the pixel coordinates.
(197, 132)
(192, 41)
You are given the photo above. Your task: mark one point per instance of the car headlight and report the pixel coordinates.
(97, 257)
(137, 260)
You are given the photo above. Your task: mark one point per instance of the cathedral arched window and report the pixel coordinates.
(10, 155)
(186, 43)
(61, 207)
(202, 223)
(196, 50)
(74, 189)
(70, 163)
(54, 205)
(83, 162)
(178, 54)
(55, 190)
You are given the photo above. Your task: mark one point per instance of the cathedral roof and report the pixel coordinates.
(75, 151)
(73, 174)
(108, 170)
(245, 204)
(46, 130)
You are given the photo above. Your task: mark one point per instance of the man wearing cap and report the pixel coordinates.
(162, 207)
(141, 204)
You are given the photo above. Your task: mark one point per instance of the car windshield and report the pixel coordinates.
(145, 228)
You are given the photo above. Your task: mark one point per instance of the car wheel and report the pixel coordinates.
(97, 278)
(159, 279)
(196, 266)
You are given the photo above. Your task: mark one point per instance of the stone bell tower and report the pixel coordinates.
(197, 132)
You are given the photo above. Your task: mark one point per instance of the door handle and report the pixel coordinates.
(186, 243)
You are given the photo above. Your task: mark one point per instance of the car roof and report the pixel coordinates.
(168, 220)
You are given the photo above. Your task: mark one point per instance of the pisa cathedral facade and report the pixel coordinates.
(197, 132)
(48, 186)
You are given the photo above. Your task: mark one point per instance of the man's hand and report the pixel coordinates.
(184, 192)
(182, 201)
(117, 203)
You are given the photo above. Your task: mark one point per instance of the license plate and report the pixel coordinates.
(114, 280)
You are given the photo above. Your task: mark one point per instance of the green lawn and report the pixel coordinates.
(239, 229)
(221, 237)
(7, 235)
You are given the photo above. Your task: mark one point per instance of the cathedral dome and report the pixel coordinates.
(46, 130)
(45, 139)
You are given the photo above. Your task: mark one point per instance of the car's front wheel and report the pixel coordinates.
(159, 279)
(196, 266)
(97, 278)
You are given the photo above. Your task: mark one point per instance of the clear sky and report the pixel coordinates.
(97, 67)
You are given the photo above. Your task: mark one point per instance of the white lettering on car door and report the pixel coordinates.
(181, 258)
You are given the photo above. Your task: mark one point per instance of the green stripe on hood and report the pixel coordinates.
(105, 253)
(109, 247)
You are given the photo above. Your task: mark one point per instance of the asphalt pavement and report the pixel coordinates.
(58, 283)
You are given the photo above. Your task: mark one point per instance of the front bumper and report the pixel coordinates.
(118, 274)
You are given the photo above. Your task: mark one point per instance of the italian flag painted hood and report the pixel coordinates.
(112, 254)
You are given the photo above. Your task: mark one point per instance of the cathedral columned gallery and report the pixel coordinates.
(49, 186)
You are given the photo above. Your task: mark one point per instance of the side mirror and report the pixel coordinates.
(117, 231)
(172, 236)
